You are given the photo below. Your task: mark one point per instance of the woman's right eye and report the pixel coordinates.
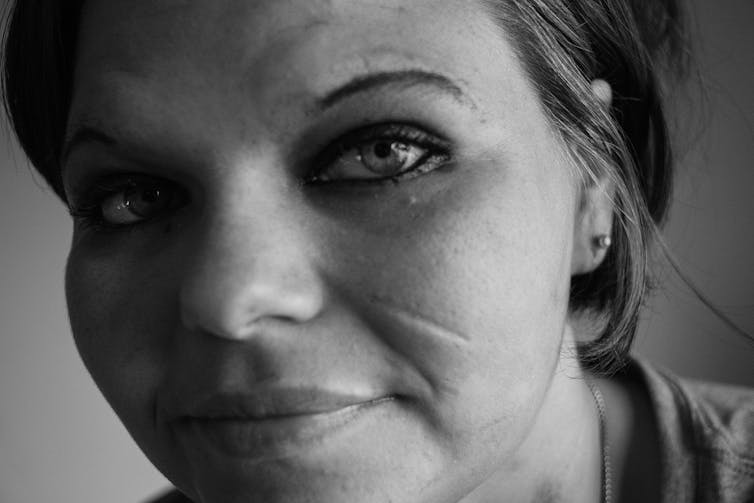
(130, 201)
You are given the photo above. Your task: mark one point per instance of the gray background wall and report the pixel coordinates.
(59, 441)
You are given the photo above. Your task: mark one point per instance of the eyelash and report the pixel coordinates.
(88, 212)
(404, 132)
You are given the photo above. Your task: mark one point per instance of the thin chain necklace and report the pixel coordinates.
(607, 472)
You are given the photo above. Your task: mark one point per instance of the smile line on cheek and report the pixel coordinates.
(419, 321)
(442, 357)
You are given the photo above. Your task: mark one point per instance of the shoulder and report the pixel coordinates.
(707, 432)
(172, 496)
(725, 418)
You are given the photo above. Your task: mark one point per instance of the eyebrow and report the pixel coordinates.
(404, 78)
(84, 133)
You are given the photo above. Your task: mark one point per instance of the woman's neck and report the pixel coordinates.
(560, 460)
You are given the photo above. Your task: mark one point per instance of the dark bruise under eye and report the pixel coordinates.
(378, 142)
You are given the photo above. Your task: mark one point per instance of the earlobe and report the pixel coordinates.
(593, 227)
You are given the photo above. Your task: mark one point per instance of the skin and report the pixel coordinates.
(447, 292)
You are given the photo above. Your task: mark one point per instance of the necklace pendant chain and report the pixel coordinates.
(607, 473)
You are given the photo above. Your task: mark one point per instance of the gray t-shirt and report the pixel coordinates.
(706, 435)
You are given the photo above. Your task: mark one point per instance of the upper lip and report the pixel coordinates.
(273, 402)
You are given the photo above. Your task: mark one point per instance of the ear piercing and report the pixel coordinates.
(603, 241)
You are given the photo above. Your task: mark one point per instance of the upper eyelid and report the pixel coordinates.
(110, 184)
(91, 190)
(373, 132)
(391, 126)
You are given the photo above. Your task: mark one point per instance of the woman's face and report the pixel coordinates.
(323, 248)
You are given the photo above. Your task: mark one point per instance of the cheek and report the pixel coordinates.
(122, 317)
(471, 288)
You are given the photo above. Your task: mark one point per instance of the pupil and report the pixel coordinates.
(383, 149)
(150, 196)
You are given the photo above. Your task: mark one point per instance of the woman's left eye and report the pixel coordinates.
(390, 152)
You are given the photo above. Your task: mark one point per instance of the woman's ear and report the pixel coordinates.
(593, 228)
(594, 218)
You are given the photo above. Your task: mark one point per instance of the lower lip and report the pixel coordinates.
(276, 437)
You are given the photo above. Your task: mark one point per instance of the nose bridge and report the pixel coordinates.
(250, 261)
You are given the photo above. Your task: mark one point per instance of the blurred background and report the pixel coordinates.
(59, 441)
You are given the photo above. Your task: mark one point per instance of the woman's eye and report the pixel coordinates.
(129, 202)
(135, 204)
(374, 159)
(387, 152)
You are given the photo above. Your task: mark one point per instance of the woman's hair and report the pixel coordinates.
(634, 45)
(564, 44)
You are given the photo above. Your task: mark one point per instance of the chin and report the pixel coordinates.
(284, 482)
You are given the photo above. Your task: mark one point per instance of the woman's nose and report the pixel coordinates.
(249, 265)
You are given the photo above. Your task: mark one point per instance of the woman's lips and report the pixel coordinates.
(272, 423)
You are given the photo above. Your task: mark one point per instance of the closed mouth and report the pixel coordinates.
(272, 423)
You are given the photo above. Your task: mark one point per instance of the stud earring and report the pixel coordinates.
(603, 241)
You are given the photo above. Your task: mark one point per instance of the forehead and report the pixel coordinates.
(197, 75)
(280, 39)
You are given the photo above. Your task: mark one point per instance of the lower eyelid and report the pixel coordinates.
(410, 174)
